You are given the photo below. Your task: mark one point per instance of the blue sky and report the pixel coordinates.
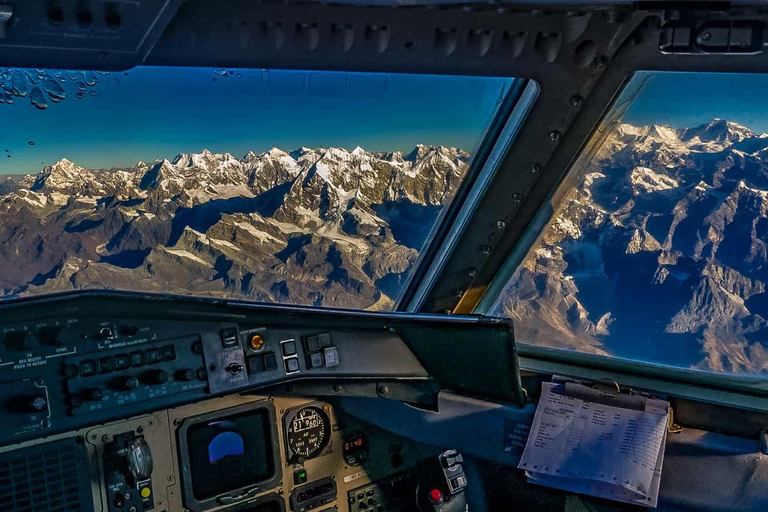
(689, 99)
(152, 113)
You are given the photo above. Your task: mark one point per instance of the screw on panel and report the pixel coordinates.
(517, 197)
(139, 429)
(472, 272)
(555, 136)
(535, 168)
(577, 101)
(104, 438)
(169, 478)
(459, 293)
(500, 225)
(706, 36)
(337, 388)
(601, 61)
(177, 422)
(383, 390)
(485, 249)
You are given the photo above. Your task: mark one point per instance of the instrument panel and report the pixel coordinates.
(227, 453)
(130, 403)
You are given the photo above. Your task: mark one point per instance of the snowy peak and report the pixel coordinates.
(719, 130)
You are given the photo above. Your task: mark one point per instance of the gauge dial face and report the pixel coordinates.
(308, 432)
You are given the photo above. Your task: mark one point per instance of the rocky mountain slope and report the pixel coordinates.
(660, 253)
(325, 227)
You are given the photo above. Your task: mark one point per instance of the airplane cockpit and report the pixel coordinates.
(383, 256)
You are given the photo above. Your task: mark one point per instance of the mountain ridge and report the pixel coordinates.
(317, 226)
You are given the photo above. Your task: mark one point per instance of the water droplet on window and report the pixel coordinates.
(214, 79)
(81, 86)
(90, 78)
(54, 90)
(31, 143)
(9, 156)
(37, 99)
(19, 84)
(80, 94)
(239, 75)
(92, 93)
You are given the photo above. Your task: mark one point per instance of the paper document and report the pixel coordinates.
(597, 449)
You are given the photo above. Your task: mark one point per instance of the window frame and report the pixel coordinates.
(744, 391)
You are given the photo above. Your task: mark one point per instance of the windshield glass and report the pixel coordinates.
(279, 186)
(658, 247)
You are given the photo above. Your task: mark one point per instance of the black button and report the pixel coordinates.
(229, 337)
(324, 339)
(369, 492)
(292, 365)
(121, 362)
(316, 360)
(168, 353)
(360, 495)
(289, 348)
(313, 343)
(105, 365)
(137, 359)
(255, 364)
(71, 371)
(88, 367)
(270, 361)
(331, 356)
(153, 356)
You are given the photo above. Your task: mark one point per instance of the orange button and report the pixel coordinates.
(256, 342)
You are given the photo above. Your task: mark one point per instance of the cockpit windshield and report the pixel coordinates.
(310, 188)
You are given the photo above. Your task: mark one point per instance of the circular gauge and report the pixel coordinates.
(308, 432)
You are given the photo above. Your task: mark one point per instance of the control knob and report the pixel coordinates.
(126, 383)
(154, 377)
(185, 375)
(95, 394)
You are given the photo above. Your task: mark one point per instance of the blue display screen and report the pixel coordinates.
(226, 444)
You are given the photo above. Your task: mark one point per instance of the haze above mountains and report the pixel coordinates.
(659, 254)
(323, 227)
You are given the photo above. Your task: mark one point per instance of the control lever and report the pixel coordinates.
(128, 469)
(139, 458)
(442, 489)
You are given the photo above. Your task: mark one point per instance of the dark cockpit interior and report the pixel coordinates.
(383, 256)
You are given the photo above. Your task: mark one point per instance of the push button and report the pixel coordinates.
(122, 362)
(105, 365)
(168, 353)
(316, 360)
(289, 348)
(153, 356)
(292, 365)
(229, 337)
(88, 368)
(312, 342)
(331, 356)
(255, 364)
(270, 361)
(137, 359)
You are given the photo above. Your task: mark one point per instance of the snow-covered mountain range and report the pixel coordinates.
(326, 227)
(660, 253)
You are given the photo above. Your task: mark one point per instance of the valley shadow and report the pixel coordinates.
(410, 223)
(132, 258)
(640, 307)
(201, 217)
(83, 225)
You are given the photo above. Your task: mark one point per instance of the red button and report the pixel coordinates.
(435, 496)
